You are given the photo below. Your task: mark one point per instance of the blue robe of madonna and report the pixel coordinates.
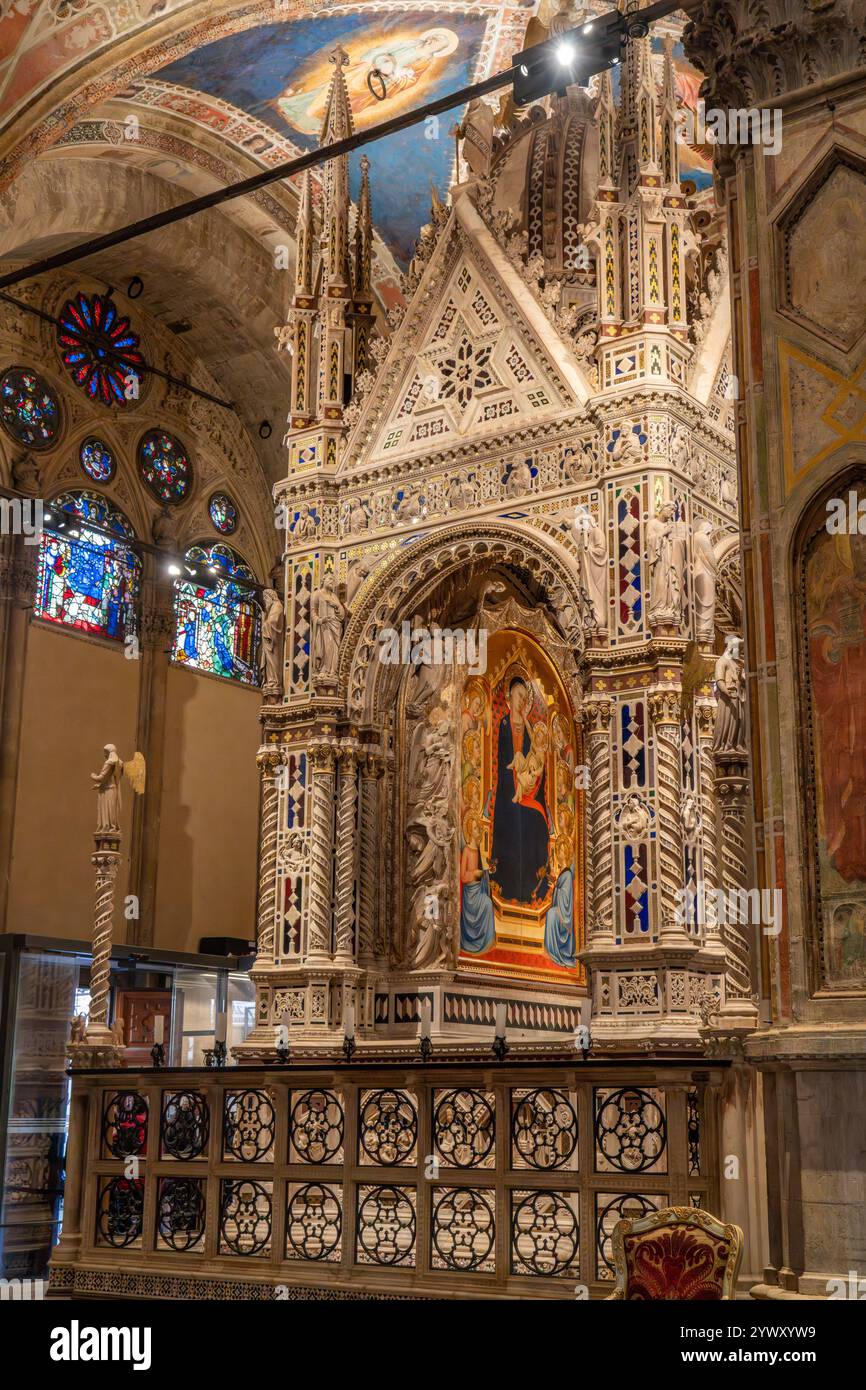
(559, 940)
(520, 835)
(477, 931)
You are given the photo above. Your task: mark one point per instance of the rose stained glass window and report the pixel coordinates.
(89, 575)
(164, 466)
(99, 349)
(97, 460)
(223, 513)
(29, 410)
(218, 620)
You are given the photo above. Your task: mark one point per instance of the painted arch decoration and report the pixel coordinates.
(521, 816)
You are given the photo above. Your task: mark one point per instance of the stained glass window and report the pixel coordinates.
(99, 348)
(97, 460)
(223, 513)
(164, 466)
(217, 617)
(88, 573)
(29, 410)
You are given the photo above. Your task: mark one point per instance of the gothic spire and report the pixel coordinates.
(670, 155)
(304, 235)
(363, 235)
(337, 125)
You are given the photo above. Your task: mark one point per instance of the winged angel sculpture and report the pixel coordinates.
(107, 782)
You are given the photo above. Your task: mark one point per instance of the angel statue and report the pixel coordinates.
(107, 787)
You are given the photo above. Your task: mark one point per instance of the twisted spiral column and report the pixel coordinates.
(731, 790)
(105, 861)
(705, 715)
(344, 906)
(596, 725)
(368, 884)
(318, 942)
(665, 714)
(269, 762)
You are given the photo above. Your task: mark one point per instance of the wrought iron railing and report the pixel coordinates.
(390, 1180)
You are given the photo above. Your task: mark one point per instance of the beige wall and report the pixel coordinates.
(206, 881)
(80, 694)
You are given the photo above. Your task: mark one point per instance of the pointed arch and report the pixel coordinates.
(396, 590)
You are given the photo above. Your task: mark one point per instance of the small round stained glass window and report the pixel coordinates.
(29, 410)
(164, 466)
(223, 513)
(97, 460)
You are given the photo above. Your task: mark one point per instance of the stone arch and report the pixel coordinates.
(413, 573)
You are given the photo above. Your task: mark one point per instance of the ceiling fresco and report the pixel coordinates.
(280, 74)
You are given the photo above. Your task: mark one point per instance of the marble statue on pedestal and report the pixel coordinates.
(273, 629)
(329, 614)
(730, 678)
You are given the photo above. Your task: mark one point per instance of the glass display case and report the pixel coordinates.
(42, 985)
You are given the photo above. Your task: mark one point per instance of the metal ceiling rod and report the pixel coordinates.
(634, 21)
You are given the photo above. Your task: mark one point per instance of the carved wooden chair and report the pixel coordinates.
(678, 1253)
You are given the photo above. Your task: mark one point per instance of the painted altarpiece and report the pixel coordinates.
(521, 817)
(833, 604)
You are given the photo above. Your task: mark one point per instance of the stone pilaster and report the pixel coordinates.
(18, 560)
(156, 636)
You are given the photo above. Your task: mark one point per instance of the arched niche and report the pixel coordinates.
(830, 563)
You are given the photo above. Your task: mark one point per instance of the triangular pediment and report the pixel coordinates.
(467, 360)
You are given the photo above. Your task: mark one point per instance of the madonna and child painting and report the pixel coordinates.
(519, 906)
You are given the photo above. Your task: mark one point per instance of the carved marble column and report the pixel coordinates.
(345, 937)
(369, 897)
(732, 789)
(269, 762)
(705, 717)
(666, 716)
(597, 716)
(317, 949)
(98, 1046)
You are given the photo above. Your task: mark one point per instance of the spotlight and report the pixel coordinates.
(569, 58)
(174, 569)
(266, 429)
(135, 287)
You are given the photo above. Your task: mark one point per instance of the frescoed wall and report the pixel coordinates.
(521, 822)
(281, 73)
(835, 596)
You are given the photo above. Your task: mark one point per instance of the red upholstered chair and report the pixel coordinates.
(678, 1253)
